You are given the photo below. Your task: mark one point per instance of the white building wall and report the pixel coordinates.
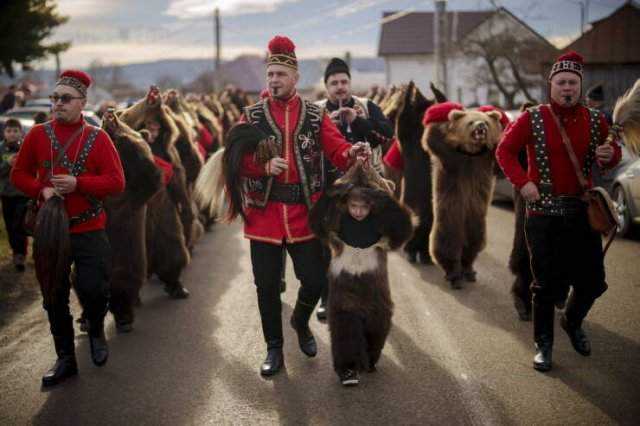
(400, 69)
(463, 85)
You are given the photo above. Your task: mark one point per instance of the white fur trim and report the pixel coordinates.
(355, 261)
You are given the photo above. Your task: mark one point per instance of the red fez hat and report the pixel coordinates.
(77, 79)
(439, 113)
(282, 51)
(504, 118)
(568, 62)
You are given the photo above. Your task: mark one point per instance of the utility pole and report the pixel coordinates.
(216, 36)
(584, 14)
(440, 39)
(347, 58)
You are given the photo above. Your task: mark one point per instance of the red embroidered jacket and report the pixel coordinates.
(519, 136)
(278, 222)
(102, 175)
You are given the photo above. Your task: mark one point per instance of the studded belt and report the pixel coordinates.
(286, 193)
(88, 214)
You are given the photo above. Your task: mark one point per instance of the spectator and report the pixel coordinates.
(14, 202)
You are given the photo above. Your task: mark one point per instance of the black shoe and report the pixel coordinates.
(176, 291)
(18, 262)
(543, 318)
(579, 339)
(349, 378)
(469, 275)
(124, 327)
(273, 362)
(412, 256)
(425, 258)
(64, 367)
(321, 313)
(99, 347)
(456, 284)
(542, 358)
(83, 324)
(306, 341)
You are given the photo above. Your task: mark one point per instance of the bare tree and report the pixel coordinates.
(510, 58)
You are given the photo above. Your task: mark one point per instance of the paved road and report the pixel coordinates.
(453, 357)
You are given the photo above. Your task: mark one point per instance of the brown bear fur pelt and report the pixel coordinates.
(186, 121)
(416, 176)
(167, 252)
(462, 157)
(126, 217)
(359, 304)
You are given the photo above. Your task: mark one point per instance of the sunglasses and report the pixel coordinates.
(64, 98)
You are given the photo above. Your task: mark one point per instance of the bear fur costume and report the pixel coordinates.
(463, 162)
(192, 161)
(167, 252)
(416, 175)
(126, 217)
(359, 305)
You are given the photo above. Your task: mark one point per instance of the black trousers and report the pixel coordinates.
(565, 252)
(13, 211)
(91, 256)
(266, 260)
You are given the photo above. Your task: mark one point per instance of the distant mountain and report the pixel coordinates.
(182, 70)
(185, 71)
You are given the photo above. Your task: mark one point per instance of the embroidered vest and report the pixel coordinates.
(308, 152)
(548, 203)
(76, 168)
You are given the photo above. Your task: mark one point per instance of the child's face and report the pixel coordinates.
(12, 134)
(153, 127)
(359, 209)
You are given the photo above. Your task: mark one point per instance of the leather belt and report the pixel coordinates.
(286, 193)
(570, 206)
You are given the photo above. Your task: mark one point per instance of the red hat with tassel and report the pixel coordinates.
(282, 51)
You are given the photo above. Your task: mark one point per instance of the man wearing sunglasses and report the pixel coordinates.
(70, 159)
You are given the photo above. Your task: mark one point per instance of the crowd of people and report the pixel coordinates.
(118, 203)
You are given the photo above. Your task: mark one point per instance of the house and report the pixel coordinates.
(611, 52)
(408, 47)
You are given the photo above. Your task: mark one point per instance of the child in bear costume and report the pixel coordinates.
(360, 220)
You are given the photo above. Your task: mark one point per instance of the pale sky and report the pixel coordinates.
(125, 31)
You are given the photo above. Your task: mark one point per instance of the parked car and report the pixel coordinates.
(626, 197)
(27, 112)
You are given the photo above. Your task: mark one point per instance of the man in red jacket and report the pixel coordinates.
(564, 249)
(280, 194)
(89, 171)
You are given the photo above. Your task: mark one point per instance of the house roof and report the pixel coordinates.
(612, 40)
(413, 33)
